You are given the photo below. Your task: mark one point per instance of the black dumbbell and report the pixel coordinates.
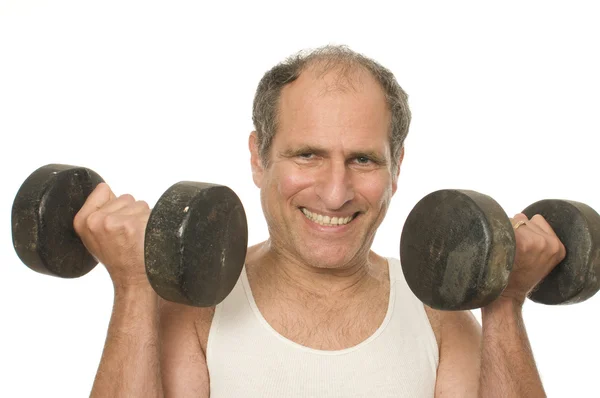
(457, 250)
(195, 241)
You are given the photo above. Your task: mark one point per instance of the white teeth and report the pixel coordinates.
(326, 220)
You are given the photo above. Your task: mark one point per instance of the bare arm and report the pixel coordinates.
(152, 347)
(493, 361)
(152, 350)
(183, 361)
(508, 368)
(129, 366)
(113, 229)
(459, 340)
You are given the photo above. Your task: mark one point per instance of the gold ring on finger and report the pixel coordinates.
(517, 225)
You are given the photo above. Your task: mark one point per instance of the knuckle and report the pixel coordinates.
(123, 226)
(101, 188)
(129, 230)
(101, 192)
(78, 222)
(538, 217)
(541, 242)
(111, 223)
(540, 220)
(554, 246)
(128, 198)
(526, 242)
(94, 221)
(558, 249)
(130, 227)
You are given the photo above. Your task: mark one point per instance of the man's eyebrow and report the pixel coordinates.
(291, 152)
(371, 154)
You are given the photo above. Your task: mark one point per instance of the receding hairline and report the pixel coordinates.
(333, 79)
(345, 63)
(345, 66)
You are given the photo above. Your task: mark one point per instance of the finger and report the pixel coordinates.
(536, 224)
(527, 226)
(539, 221)
(137, 207)
(117, 204)
(524, 226)
(101, 195)
(132, 216)
(128, 220)
(559, 248)
(519, 219)
(535, 229)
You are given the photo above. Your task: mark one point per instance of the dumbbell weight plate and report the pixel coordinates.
(457, 249)
(576, 278)
(195, 243)
(42, 220)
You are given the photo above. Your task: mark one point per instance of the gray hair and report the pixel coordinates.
(265, 108)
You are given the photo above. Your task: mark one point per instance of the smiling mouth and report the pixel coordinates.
(328, 221)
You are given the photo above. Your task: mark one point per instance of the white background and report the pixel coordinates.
(505, 100)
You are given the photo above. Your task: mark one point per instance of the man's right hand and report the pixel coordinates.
(113, 230)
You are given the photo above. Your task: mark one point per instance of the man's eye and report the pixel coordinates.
(363, 159)
(306, 155)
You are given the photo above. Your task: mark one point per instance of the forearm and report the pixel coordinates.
(130, 366)
(508, 368)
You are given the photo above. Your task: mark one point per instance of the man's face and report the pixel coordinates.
(329, 182)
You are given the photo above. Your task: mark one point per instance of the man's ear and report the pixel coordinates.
(255, 161)
(397, 172)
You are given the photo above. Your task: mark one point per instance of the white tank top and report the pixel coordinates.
(247, 358)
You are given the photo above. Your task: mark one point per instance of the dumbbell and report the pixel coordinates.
(195, 240)
(457, 249)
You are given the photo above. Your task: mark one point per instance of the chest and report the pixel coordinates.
(399, 362)
(325, 326)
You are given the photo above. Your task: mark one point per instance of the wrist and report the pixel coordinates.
(505, 305)
(135, 292)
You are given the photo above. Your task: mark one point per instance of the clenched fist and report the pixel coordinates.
(538, 251)
(112, 229)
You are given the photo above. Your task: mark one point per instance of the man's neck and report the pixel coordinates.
(282, 272)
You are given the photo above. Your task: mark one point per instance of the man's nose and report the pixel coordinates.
(334, 186)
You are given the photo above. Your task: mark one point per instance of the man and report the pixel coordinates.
(315, 313)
